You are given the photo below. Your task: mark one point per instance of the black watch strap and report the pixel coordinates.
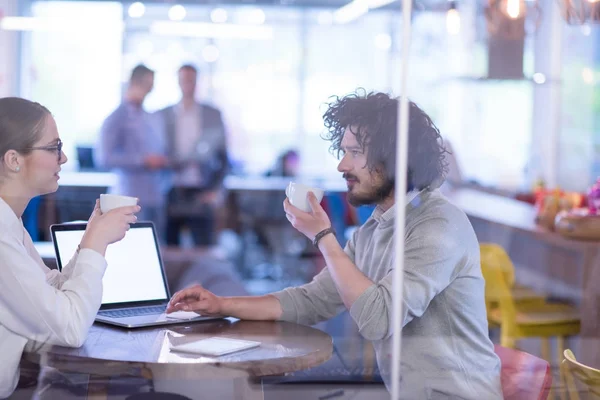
(320, 235)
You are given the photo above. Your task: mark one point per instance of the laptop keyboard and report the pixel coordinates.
(132, 312)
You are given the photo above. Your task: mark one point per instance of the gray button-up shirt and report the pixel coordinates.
(446, 351)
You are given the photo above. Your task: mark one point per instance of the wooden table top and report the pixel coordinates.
(285, 347)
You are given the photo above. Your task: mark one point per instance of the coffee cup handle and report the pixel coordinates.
(287, 190)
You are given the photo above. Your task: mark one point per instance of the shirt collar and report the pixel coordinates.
(8, 216)
(131, 106)
(179, 107)
(382, 216)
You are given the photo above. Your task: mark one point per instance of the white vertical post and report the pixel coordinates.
(8, 51)
(547, 103)
(400, 198)
(556, 103)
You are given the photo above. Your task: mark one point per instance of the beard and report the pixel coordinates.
(379, 191)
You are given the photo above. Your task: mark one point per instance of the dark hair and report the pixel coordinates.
(139, 72)
(189, 67)
(372, 117)
(289, 154)
(21, 124)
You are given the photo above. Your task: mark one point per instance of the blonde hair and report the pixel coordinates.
(21, 124)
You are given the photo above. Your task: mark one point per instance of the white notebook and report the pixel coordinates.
(215, 346)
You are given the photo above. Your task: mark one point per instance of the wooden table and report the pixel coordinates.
(549, 262)
(109, 352)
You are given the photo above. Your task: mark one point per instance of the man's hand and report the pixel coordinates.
(196, 299)
(308, 223)
(155, 161)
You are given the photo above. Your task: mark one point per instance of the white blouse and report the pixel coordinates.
(39, 305)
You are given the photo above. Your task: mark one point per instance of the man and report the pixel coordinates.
(134, 150)
(446, 352)
(196, 146)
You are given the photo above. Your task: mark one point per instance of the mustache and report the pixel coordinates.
(350, 176)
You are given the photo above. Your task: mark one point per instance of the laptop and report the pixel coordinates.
(135, 292)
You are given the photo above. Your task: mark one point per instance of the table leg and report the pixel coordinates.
(589, 347)
(368, 361)
(248, 389)
(206, 382)
(98, 387)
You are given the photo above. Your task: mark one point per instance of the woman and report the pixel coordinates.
(38, 304)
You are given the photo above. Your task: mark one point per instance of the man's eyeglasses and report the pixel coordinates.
(56, 147)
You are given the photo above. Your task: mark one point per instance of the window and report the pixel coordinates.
(273, 91)
(75, 70)
(338, 60)
(579, 142)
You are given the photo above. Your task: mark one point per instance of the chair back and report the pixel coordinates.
(494, 253)
(589, 377)
(524, 376)
(494, 270)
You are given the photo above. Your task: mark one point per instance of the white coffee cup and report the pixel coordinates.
(110, 201)
(297, 192)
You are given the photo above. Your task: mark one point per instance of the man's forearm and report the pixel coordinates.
(258, 308)
(349, 280)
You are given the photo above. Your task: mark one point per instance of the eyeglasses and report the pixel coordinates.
(57, 148)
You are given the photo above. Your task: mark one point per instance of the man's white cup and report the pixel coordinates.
(110, 201)
(297, 192)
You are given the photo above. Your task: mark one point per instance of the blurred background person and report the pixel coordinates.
(197, 150)
(266, 207)
(287, 164)
(134, 150)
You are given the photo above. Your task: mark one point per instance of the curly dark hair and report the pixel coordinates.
(372, 117)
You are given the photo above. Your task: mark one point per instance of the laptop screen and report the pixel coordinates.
(134, 271)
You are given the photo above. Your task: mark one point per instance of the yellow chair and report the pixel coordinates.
(519, 321)
(588, 376)
(494, 254)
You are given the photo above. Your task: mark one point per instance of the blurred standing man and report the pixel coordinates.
(196, 146)
(131, 147)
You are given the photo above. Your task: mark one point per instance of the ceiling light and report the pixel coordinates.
(256, 16)
(350, 12)
(36, 24)
(588, 75)
(539, 78)
(203, 29)
(325, 18)
(453, 19)
(383, 41)
(136, 10)
(218, 16)
(177, 12)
